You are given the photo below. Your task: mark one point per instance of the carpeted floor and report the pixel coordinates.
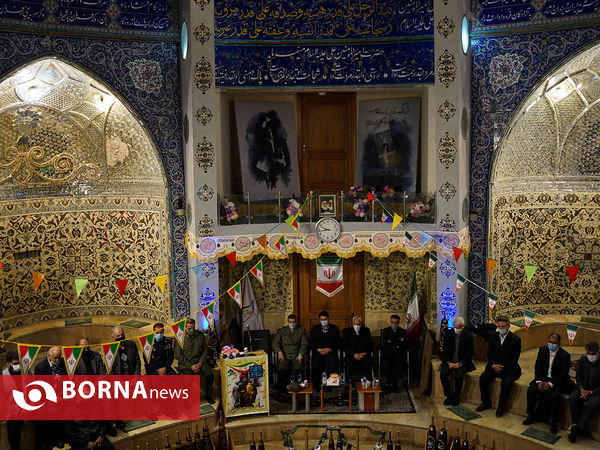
(336, 401)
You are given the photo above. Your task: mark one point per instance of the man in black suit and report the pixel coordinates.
(585, 398)
(53, 364)
(551, 380)
(504, 349)
(358, 345)
(90, 362)
(127, 359)
(457, 359)
(393, 353)
(324, 341)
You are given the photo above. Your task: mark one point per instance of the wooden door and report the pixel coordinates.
(308, 302)
(327, 141)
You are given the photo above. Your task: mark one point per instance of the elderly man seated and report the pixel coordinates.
(358, 345)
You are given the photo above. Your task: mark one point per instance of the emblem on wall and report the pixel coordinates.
(202, 33)
(447, 224)
(206, 226)
(446, 110)
(204, 115)
(447, 191)
(203, 75)
(205, 193)
(202, 3)
(445, 26)
(446, 68)
(205, 155)
(447, 150)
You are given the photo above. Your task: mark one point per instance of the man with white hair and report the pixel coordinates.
(457, 359)
(358, 345)
(127, 361)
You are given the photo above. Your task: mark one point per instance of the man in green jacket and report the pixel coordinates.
(192, 358)
(290, 344)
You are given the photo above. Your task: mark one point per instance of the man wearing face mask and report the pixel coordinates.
(162, 354)
(324, 341)
(290, 344)
(393, 353)
(127, 360)
(90, 362)
(504, 350)
(13, 427)
(585, 398)
(457, 359)
(358, 345)
(551, 381)
(192, 359)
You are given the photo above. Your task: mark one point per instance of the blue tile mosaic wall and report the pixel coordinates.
(132, 69)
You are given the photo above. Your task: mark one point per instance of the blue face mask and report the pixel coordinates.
(158, 336)
(503, 331)
(552, 347)
(324, 323)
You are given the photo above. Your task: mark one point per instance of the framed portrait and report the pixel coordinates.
(327, 205)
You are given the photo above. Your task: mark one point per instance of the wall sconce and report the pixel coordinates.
(179, 207)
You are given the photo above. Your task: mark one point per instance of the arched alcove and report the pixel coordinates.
(545, 195)
(83, 194)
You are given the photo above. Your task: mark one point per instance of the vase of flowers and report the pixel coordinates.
(230, 211)
(418, 209)
(293, 208)
(388, 192)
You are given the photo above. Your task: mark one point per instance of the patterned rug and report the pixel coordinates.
(540, 435)
(336, 402)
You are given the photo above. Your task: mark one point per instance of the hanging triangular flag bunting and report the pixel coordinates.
(292, 222)
(37, 280)
(396, 221)
(160, 281)
(528, 318)
(385, 218)
(257, 271)
(457, 252)
(27, 355)
(262, 241)
(235, 292)
(1, 265)
(146, 343)
(198, 272)
(460, 280)
(407, 238)
(490, 263)
(122, 284)
(572, 271)
(432, 260)
(571, 332)
(231, 258)
(425, 238)
(109, 353)
(179, 330)
(280, 245)
(492, 300)
(80, 285)
(208, 312)
(71, 357)
(370, 197)
(530, 270)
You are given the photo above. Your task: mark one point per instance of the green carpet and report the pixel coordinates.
(464, 413)
(521, 323)
(205, 409)
(135, 323)
(135, 424)
(540, 435)
(591, 319)
(78, 321)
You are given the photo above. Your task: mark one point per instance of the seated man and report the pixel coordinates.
(457, 359)
(290, 344)
(50, 433)
(324, 341)
(86, 434)
(90, 362)
(358, 345)
(162, 355)
(585, 398)
(192, 358)
(393, 353)
(504, 349)
(551, 380)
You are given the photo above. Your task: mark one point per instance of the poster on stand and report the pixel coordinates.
(245, 385)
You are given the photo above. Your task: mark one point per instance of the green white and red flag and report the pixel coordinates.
(27, 355)
(146, 343)
(529, 315)
(257, 271)
(179, 330)
(280, 245)
(571, 332)
(330, 276)
(412, 315)
(432, 260)
(492, 300)
(208, 312)
(460, 280)
(235, 292)
(71, 356)
(109, 354)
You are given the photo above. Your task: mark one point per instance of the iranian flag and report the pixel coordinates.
(330, 279)
(492, 300)
(257, 271)
(571, 332)
(209, 313)
(179, 330)
(109, 353)
(27, 354)
(432, 260)
(280, 245)
(412, 315)
(146, 343)
(460, 280)
(529, 315)
(235, 292)
(71, 355)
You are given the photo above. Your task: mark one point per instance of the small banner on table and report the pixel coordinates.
(72, 355)
(571, 332)
(492, 300)
(179, 330)
(529, 315)
(146, 343)
(27, 354)
(330, 278)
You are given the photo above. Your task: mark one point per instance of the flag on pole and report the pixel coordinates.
(292, 222)
(231, 258)
(122, 284)
(251, 318)
(160, 281)
(460, 280)
(71, 356)
(209, 313)
(257, 271)
(457, 252)
(571, 332)
(370, 197)
(530, 270)
(572, 271)
(432, 260)
(37, 279)
(146, 343)
(490, 263)
(529, 315)
(492, 300)
(330, 277)
(263, 241)
(235, 292)
(179, 330)
(396, 221)
(27, 355)
(80, 284)
(280, 245)
(412, 315)
(109, 353)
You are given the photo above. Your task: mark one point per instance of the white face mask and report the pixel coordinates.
(292, 325)
(592, 358)
(458, 331)
(16, 367)
(356, 328)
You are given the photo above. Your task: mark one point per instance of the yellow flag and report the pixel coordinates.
(37, 279)
(396, 221)
(160, 280)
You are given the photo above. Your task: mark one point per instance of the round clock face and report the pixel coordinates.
(328, 229)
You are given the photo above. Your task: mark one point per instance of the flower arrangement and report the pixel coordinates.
(417, 209)
(388, 192)
(354, 190)
(360, 207)
(230, 210)
(229, 351)
(293, 208)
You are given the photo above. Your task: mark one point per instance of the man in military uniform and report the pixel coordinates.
(192, 358)
(162, 354)
(393, 353)
(290, 344)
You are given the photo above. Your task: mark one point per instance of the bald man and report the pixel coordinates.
(53, 364)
